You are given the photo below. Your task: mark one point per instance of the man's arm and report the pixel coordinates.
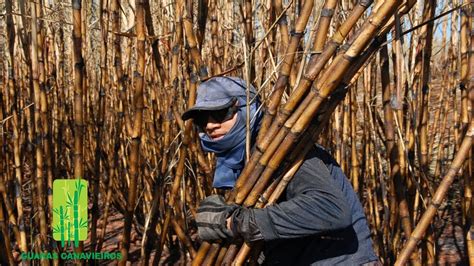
(315, 204)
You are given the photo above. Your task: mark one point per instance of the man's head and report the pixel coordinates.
(217, 103)
(220, 111)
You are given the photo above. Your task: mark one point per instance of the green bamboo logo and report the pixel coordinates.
(70, 211)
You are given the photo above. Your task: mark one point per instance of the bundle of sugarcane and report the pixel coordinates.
(301, 120)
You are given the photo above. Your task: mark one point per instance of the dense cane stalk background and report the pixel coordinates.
(95, 89)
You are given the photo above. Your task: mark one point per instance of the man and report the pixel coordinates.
(319, 219)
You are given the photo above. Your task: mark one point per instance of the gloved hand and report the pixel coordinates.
(211, 218)
(243, 225)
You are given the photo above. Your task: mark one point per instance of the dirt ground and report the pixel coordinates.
(448, 228)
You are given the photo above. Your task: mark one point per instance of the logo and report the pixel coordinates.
(69, 225)
(70, 211)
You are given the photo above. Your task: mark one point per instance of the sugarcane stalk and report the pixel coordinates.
(160, 67)
(182, 153)
(100, 124)
(193, 48)
(438, 197)
(166, 138)
(285, 68)
(464, 49)
(184, 238)
(437, 121)
(119, 84)
(368, 149)
(5, 234)
(43, 108)
(196, 57)
(392, 151)
(12, 84)
(108, 197)
(463, 85)
(11, 220)
(320, 38)
(222, 254)
(454, 64)
(78, 90)
(151, 222)
(375, 150)
(202, 9)
(11, 216)
(355, 165)
(442, 135)
(228, 35)
(136, 133)
(249, 38)
(201, 254)
(179, 170)
(43, 240)
(190, 37)
(282, 23)
(60, 105)
(444, 58)
(217, 61)
(400, 200)
(426, 42)
(18, 186)
(470, 245)
(345, 135)
(79, 85)
(427, 37)
(467, 66)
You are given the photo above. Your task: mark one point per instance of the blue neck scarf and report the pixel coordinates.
(230, 150)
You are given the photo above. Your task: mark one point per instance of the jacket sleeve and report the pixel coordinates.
(315, 204)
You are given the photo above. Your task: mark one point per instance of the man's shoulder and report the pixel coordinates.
(319, 153)
(321, 161)
(316, 163)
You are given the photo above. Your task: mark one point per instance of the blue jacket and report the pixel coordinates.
(319, 221)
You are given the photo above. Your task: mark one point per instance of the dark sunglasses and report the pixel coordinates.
(219, 116)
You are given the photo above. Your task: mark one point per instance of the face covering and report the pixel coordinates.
(230, 150)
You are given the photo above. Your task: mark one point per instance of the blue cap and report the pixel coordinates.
(218, 93)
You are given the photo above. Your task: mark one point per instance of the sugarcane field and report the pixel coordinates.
(219, 132)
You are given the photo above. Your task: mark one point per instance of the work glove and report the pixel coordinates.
(243, 225)
(211, 218)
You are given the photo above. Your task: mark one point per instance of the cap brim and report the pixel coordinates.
(195, 110)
